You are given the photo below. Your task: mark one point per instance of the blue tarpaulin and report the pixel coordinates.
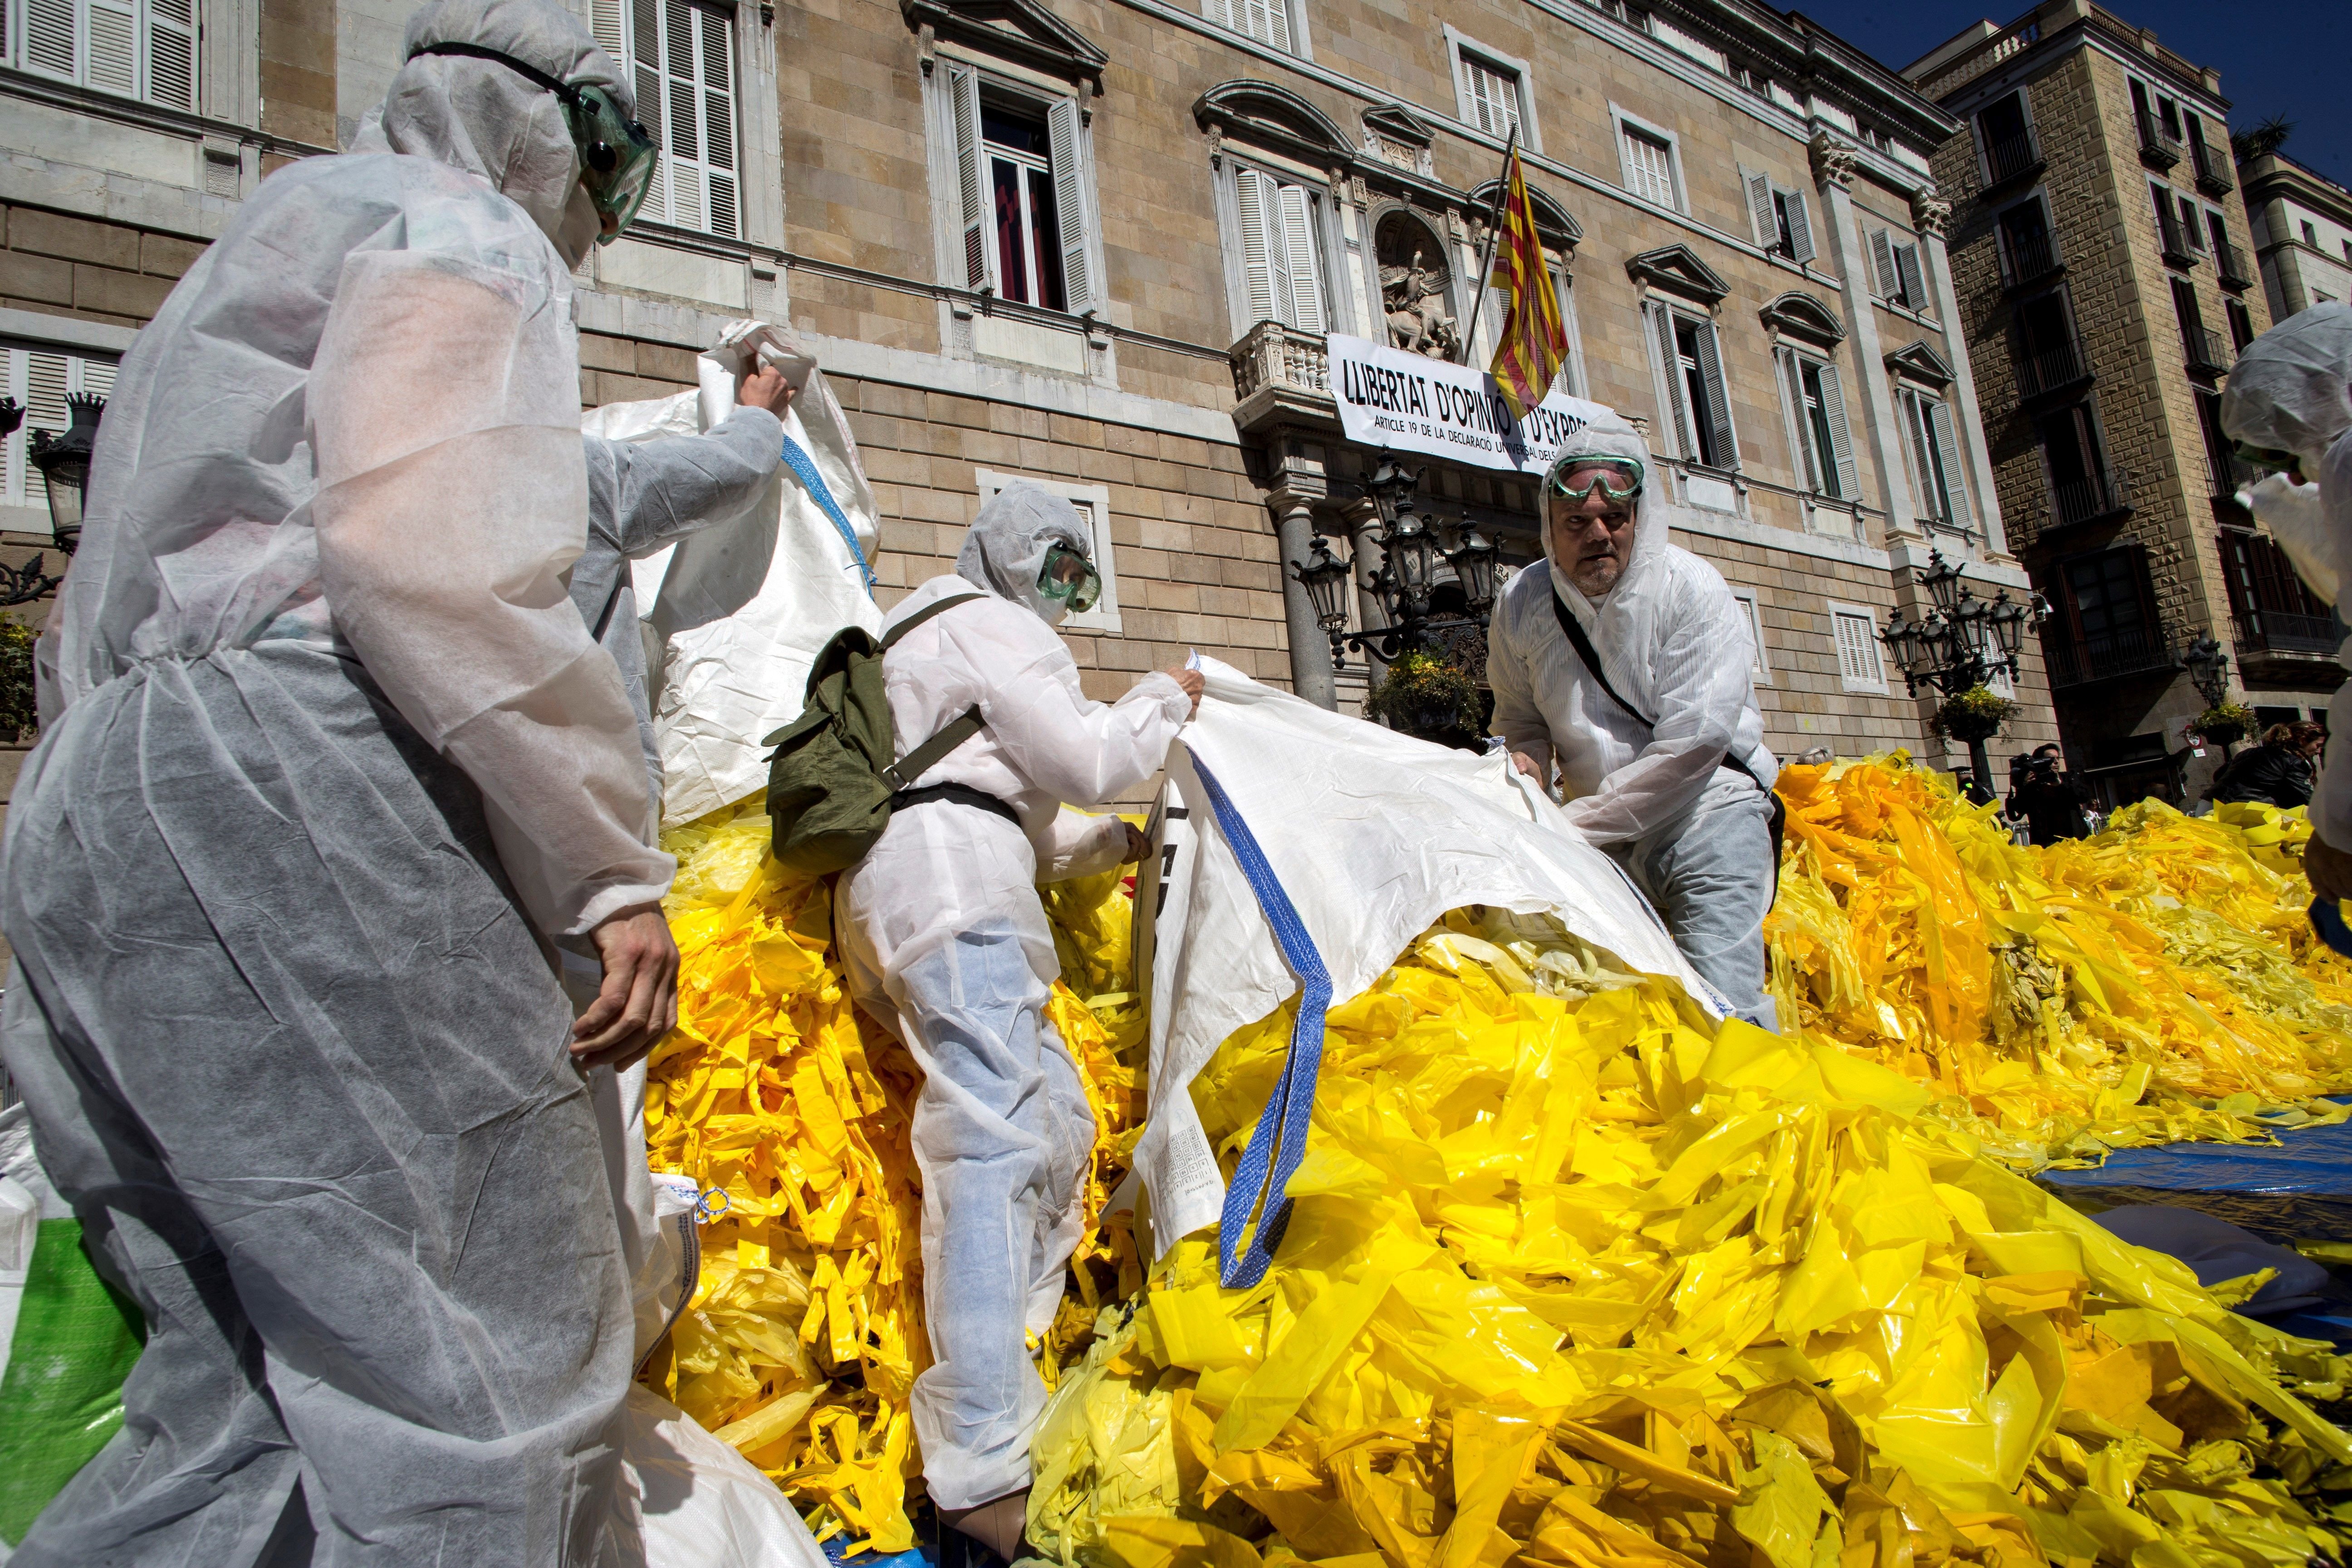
(2297, 1189)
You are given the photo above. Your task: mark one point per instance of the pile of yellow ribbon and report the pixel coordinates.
(1586, 1280)
(2157, 982)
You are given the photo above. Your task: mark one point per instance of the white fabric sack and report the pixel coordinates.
(697, 1502)
(734, 617)
(1374, 836)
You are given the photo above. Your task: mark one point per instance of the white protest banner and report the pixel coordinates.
(1410, 402)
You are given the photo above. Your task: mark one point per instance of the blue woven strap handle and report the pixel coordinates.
(804, 467)
(1279, 1140)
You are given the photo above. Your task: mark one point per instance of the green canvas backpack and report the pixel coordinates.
(835, 767)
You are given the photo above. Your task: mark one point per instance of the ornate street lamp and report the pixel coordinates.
(1474, 561)
(1412, 549)
(1958, 645)
(2209, 672)
(1325, 577)
(64, 462)
(22, 585)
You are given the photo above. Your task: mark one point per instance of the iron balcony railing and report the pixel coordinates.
(2027, 257)
(2231, 265)
(2011, 157)
(2214, 171)
(2103, 493)
(2061, 365)
(2206, 356)
(2231, 473)
(2157, 146)
(2079, 661)
(2172, 238)
(2281, 631)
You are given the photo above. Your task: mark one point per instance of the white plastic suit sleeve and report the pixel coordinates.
(452, 495)
(1698, 696)
(1075, 845)
(1518, 719)
(2331, 803)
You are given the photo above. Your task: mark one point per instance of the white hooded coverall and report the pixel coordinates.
(946, 940)
(2291, 391)
(328, 756)
(1693, 834)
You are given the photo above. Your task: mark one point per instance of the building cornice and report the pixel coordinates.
(2270, 177)
(2052, 44)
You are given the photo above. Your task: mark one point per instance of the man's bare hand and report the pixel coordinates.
(637, 1004)
(1527, 765)
(1190, 680)
(1138, 846)
(2330, 868)
(765, 387)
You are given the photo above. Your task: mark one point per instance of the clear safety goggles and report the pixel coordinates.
(617, 155)
(2269, 457)
(1618, 479)
(1071, 578)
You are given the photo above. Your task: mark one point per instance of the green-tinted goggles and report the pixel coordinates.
(617, 155)
(1070, 577)
(2269, 457)
(1618, 479)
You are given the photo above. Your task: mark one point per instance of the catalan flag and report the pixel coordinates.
(1535, 342)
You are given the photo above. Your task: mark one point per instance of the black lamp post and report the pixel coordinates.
(2209, 672)
(64, 462)
(1412, 549)
(1956, 643)
(21, 585)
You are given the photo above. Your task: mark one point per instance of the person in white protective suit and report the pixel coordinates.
(328, 757)
(2289, 406)
(1660, 751)
(946, 941)
(644, 495)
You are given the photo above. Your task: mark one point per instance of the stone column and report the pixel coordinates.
(1930, 215)
(1310, 650)
(1366, 557)
(1834, 164)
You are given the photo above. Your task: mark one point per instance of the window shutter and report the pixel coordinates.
(1260, 239)
(644, 54)
(1800, 228)
(1269, 21)
(113, 62)
(1072, 213)
(1857, 650)
(1299, 244)
(1914, 284)
(1947, 452)
(49, 38)
(1220, 12)
(1719, 404)
(608, 20)
(171, 53)
(1670, 360)
(1760, 209)
(681, 127)
(963, 88)
(1882, 253)
(1849, 486)
(1792, 387)
(719, 120)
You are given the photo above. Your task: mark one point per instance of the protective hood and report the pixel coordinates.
(480, 116)
(1006, 548)
(2288, 391)
(1612, 437)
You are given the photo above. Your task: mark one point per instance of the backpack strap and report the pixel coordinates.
(903, 772)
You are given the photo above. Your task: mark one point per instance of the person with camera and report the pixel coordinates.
(2280, 771)
(2051, 802)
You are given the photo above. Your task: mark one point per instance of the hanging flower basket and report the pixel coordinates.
(1976, 714)
(2224, 723)
(1429, 698)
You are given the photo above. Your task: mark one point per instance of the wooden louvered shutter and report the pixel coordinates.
(1760, 209)
(1882, 252)
(1072, 212)
(644, 55)
(111, 64)
(1669, 363)
(1800, 226)
(1306, 277)
(717, 63)
(49, 38)
(1841, 437)
(1792, 384)
(1947, 453)
(971, 182)
(1220, 12)
(1915, 283)
(171, 53)
(1717, 412)
(1254, 197)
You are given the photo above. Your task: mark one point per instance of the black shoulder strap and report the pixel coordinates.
(1577, 639)
(903, 772)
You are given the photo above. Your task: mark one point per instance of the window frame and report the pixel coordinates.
(1849, 677)
(1982, 138)
(1622, 127)
(143, 19)
(618, 30)
(1817, 470)
(1760, 670)
(19, 485)
(1227, 14)
(1775, 209)
(1459, 48)
(1095, 500)
(1932, 448)
(1321, 227)
(1662, 323)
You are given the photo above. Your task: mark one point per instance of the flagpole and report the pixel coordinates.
(1487, 251)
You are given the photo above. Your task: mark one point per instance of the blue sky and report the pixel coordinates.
(2288, 57)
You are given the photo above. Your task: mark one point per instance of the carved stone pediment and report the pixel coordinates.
(1023, 31)
(1802, 316)
(1919, 363)
(1676, 269)
(1398, 123)
(1555, 223)
(1275, 118)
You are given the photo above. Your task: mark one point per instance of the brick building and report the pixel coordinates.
(2098, 250)
(1098, 243)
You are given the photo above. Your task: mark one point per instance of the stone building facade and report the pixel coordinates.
(2099, 251)
(2301, 224)
(1097, 242)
